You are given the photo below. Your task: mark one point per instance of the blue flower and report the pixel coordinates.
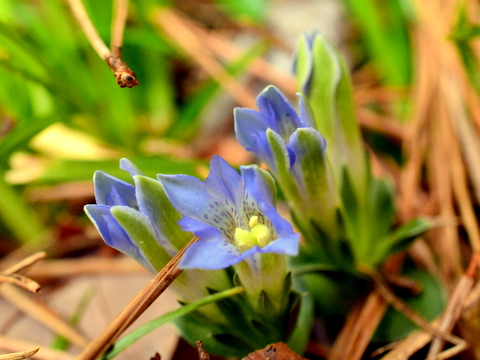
(233, 214)
(111, 192)
(275, 113)
(295, 152)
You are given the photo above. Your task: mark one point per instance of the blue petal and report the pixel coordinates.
(225, 180)
(259, 185)
(130, 167)
(287, 245)
(250, 128)
(210, 253)
(247, 123)
(113, 234)
(306, 114)
(273, 105)
(187, 194)
(112, 191)
(214, 201)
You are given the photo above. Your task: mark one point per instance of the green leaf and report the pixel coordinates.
(282, 163)
(381, 212)
(300, 334)
(244, 10)
(385, 28)
(20, 218)
(399, 239)
(429, 303)
(139, 333)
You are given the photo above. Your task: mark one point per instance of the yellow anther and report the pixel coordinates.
(253, 221)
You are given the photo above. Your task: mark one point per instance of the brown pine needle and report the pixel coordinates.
(20, 355)
(21, 281)
(135, 308)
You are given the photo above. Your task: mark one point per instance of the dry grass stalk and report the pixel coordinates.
(20, 355)
(45, 353)
(21, 281)
(10, 274)
(135, 308)
(192, 45)
(359, 329)
(459, 301)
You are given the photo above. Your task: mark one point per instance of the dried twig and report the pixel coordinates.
(124, 75)
(46, 353)
(202, 354)
(20, 355)
(135, 308)
(10, 275)
(21, 281)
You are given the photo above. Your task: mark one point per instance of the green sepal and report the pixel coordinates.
(303, 63)
(155, 201)
(139, 228)
(215, 340)
(282, 163)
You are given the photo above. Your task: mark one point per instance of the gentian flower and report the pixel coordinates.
(234, 216)
(294, 151)
(140, 222)
(324, 78)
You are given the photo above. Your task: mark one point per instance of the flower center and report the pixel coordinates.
(258, 235)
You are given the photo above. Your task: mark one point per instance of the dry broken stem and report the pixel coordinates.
(135, 308)
(124, 75)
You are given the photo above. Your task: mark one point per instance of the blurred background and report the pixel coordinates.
(62, 116)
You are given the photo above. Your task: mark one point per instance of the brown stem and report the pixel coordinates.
(135, 308)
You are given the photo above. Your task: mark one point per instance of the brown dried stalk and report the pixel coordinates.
(19, 355)
(135, 308)
(113, 57)
(10, 275)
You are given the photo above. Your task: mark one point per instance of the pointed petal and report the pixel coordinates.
(210, 253)
(273, 105)
(112, 191)
(250, 128)
(225, 180)
(129, 167)
(113, 234)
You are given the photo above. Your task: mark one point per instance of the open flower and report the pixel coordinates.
(140, 221)
(233, 215)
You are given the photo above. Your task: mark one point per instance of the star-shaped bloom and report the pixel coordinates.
(234, 216)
